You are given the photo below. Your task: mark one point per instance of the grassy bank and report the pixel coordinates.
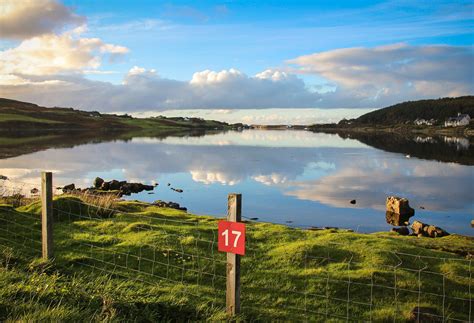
(16, 116)
(136, 261)
(401, 129)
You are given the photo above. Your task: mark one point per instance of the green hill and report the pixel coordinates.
(438, 109)
(24, 116)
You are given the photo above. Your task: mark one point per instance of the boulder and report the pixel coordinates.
(3, 178)
(171, 205)
(98, 182)
(417, 227)
(114, 185)
(401, 231)
(396, 219)
(427, 230)
(399, 205)
(69, 188)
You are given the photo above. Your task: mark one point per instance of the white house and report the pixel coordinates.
(460, 120)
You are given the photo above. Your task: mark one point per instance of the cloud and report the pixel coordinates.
(47, 70)
(20, 19)
(389, 74)
(144, 89)
(52, 54)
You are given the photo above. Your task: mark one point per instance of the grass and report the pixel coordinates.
(147, 263)
(4, 117)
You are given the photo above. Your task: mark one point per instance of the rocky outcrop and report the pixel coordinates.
(123, 187)
(69, 188)
(397, 219)
(401, 231)
(171, 205)
(399, 205)
(425, 230)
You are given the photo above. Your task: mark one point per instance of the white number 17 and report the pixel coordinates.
(226, 235)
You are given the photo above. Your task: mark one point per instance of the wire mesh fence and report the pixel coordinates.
(287, 273)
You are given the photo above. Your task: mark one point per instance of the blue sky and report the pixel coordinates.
(181, 37)
(154, 56)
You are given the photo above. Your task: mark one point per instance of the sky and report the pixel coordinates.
(252, 61)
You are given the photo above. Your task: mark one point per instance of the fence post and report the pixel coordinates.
(234, 214)
(47, 214)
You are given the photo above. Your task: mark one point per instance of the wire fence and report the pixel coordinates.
(303, 277)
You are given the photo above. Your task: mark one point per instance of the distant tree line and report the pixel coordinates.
(407, 112)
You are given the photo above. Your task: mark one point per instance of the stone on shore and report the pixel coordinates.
(401, 231)
(427, 230)
(69, 188)
(171, 205)
(397, 219)
(98, 182)
(399, 205)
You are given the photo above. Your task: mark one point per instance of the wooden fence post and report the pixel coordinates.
(234, 214)
(47, 214)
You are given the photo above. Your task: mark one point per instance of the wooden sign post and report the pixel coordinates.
(232, 240)
(47, 214)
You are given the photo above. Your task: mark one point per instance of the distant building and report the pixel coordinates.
(459, 120)
(420, 122)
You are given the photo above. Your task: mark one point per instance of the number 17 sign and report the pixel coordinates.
(231, 237)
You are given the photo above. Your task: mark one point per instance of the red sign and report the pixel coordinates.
(231, 237)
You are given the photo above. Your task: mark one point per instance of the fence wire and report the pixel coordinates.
(297, 280)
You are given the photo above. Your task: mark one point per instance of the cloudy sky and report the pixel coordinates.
(251, 61)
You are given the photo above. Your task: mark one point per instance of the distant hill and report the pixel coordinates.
(24, 116)
(438, 109)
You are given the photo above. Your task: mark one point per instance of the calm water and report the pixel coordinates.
(296, 176)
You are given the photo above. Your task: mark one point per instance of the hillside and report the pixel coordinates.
(438, 109)
(24, 116)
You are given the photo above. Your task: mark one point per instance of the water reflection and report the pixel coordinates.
(300, 176)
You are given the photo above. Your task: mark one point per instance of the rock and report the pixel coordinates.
(171, 205)
(34, 191)
(426, 230)
(98, 182)
(417, 227)
(401, 231)
(396, 219)
(177, 190)
(104, 186)
(424, 314)
(69, 188)
(353, 202)
(114, 185)
(399, 205)
(3, 178)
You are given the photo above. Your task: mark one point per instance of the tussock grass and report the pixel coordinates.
(145, 263)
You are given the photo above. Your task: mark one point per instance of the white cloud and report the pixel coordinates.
(209, 177)
(21, 19)
(52, 54)
(389, 74)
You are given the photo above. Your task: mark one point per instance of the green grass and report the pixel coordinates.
(147, 263)
(4, 117)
